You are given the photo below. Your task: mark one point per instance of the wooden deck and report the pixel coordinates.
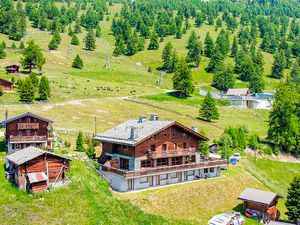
(165, 169)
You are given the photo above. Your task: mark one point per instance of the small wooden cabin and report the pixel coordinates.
(6, 84)
(12, 69)
(262, 201)
(36, 170)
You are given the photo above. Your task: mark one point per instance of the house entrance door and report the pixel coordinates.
(157, 179)
(150, 181)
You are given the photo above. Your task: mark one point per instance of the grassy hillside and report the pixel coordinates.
(87, 200)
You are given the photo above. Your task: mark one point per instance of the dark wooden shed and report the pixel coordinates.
(6, 84)
(12, 69)
(36, 170)
(262, 201)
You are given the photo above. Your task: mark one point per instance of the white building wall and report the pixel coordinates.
(119, 183)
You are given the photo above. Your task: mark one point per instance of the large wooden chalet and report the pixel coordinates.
(144, 153)
(35, 170)
(27, 130)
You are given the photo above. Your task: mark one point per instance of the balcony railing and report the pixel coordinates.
(25, 126)
(165, 169)
(23, 139)
(169, 153)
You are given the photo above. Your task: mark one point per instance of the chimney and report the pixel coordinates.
(132, 133)
(195, 128)
(142, 119)
(154, 117)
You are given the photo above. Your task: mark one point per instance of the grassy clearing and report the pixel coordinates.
(196, 202)
(87, 200)
(276, 175)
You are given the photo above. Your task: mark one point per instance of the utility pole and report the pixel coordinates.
(69, 50)
(107, 62)
(95, 125)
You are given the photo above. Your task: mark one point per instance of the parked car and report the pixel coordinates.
(237, 156)
(229, 218)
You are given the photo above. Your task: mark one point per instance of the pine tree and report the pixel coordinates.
(98, 32)
(204, 148)
(57, 36)
(174, 60)
(167, 56)
(178, 32)
(132, 42)
(2, 52)
(34, 79)
(26, 91)
(182, 79)
(256, 83)
(32, 57)
(192, 40)
(153, 45)
(21, 46)
(77, 28)
(208, 109)
(44, 89)
(279, 65)
(216, 62)
(293, 200)
(295, 73)
(90, 41)
(90, 151)
(75, 40)
(70, 31)
(194, 53)
(223, 42)
(13, 45)
(53, 45)
(120, 47)
(234, 47)
(77, 63)
(4, 44)
(15, 30)
(209, 46)
(80, 142)
(284, 121)
(223, 80)
(225, 144)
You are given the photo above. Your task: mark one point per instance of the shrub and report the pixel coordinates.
(1, 91)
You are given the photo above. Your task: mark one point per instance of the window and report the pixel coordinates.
(145, 163)
(175, 146)
(164, 177)
(173, 175)
(152, 147)
(17, 146)
(211, 170)
(205, 170)
(162, 162)
(164, 147)
(143, 180)
(191, 172)
(175, 161)
(184, 145)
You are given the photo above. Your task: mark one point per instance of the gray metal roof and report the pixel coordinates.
(21, 156)
(254, 195)
(237, 91)
(23, 115)
(122, 134)
(134, 131)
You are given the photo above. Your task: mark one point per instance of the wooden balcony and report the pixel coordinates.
(24, 139)
(28, 126)
(165, 169)
(171, 153)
